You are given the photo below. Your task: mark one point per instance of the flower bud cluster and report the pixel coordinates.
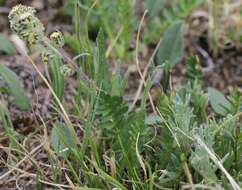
(24, 22)
(57, 39)
(66, 71)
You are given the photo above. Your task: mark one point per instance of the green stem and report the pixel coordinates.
(187, 171)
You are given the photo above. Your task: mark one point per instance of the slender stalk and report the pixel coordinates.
(64, 113)
(188, 173)
(77, 23)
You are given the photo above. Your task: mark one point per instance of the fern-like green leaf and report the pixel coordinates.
(102, 74)
(194, 71)
(112, 110)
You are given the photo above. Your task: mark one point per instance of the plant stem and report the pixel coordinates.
(187, 171)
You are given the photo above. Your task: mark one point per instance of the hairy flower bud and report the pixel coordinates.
(57, 39)
(66, 70)
(24, 22)
(46, 56)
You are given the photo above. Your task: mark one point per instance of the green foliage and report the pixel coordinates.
(222, 105)
(201, 163)
(62, 139)
(181, 120)
(112, 110)
(199, 100)
(57, 78)
(235, 100)
(154, 7)
(165, 103)
(118, 82)
(218, 102)
(126, 17)
(101, 71)
(172, 45)
(166, 80)
(72, 42)
(184, 118)
(179, 9)
(115, 17)
(117, 121)
(16, 90)
(6, 123)
(170, 52)
(6, 46)
(165, 13)
(194, 72)
(119, 147)
(199, 159)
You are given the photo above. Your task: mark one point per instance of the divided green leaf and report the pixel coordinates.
(102, 73)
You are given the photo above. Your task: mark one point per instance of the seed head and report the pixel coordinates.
(66, 71)
(24, 22)
(57, 39)
(46, 56)
(20, 10)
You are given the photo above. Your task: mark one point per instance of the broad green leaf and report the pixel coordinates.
(5, 45)
(154, 7)
(200, 161)
(172, 45)
(16, 90)
(62, 139)
(218, 102)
